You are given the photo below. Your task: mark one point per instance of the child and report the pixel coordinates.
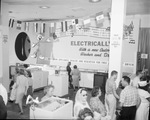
(48, 91)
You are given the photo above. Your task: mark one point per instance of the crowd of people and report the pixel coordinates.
(129, 101)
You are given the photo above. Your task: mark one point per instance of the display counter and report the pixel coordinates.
(60, 83)
(52, 108)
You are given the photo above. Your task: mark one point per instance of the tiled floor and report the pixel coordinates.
(13, 109)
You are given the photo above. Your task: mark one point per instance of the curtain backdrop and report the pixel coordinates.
(144, 47)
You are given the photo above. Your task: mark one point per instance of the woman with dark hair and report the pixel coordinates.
(142, 112)
(95, 103)
(85, 114)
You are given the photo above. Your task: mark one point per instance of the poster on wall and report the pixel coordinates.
(86, 50)
(130, 44)
(90, 48)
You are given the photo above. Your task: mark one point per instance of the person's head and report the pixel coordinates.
(120, 85)
(81, 95)
(139, 73)
(48, 90)
(125, 81)
(16, 70)
(148, 78)
(114, 74)
(96, 92)
(26, 65)
(143, 84)
(69, 63)
(21, 72)
(75, 66)
(85, 114)
(28, 73)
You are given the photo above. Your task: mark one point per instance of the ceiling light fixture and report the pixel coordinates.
(44, 7)
(94, 1)
(71, 16)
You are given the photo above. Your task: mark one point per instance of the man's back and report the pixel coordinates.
(129, 96)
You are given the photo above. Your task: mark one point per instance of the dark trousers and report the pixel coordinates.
(70, 81)
(128, 113)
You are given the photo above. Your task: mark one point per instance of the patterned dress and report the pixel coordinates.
(97, 105)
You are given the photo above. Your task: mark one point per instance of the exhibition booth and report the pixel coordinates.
(47, 47)
(88, 49)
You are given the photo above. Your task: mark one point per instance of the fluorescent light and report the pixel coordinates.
(44, 7)
(94, 1)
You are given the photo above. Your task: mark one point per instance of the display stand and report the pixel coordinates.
(59, 108)
(60, 82)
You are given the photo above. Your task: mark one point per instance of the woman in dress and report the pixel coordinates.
(75, 77)
(21, 89)
(142, 112)
(111, 95)
(95, 103)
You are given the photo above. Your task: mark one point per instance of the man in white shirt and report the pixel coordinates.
(135, 81)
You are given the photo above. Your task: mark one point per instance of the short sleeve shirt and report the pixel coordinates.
(129, 96)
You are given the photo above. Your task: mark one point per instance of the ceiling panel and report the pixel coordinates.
(26, 10)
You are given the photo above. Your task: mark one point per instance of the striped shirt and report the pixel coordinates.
(129, 96)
